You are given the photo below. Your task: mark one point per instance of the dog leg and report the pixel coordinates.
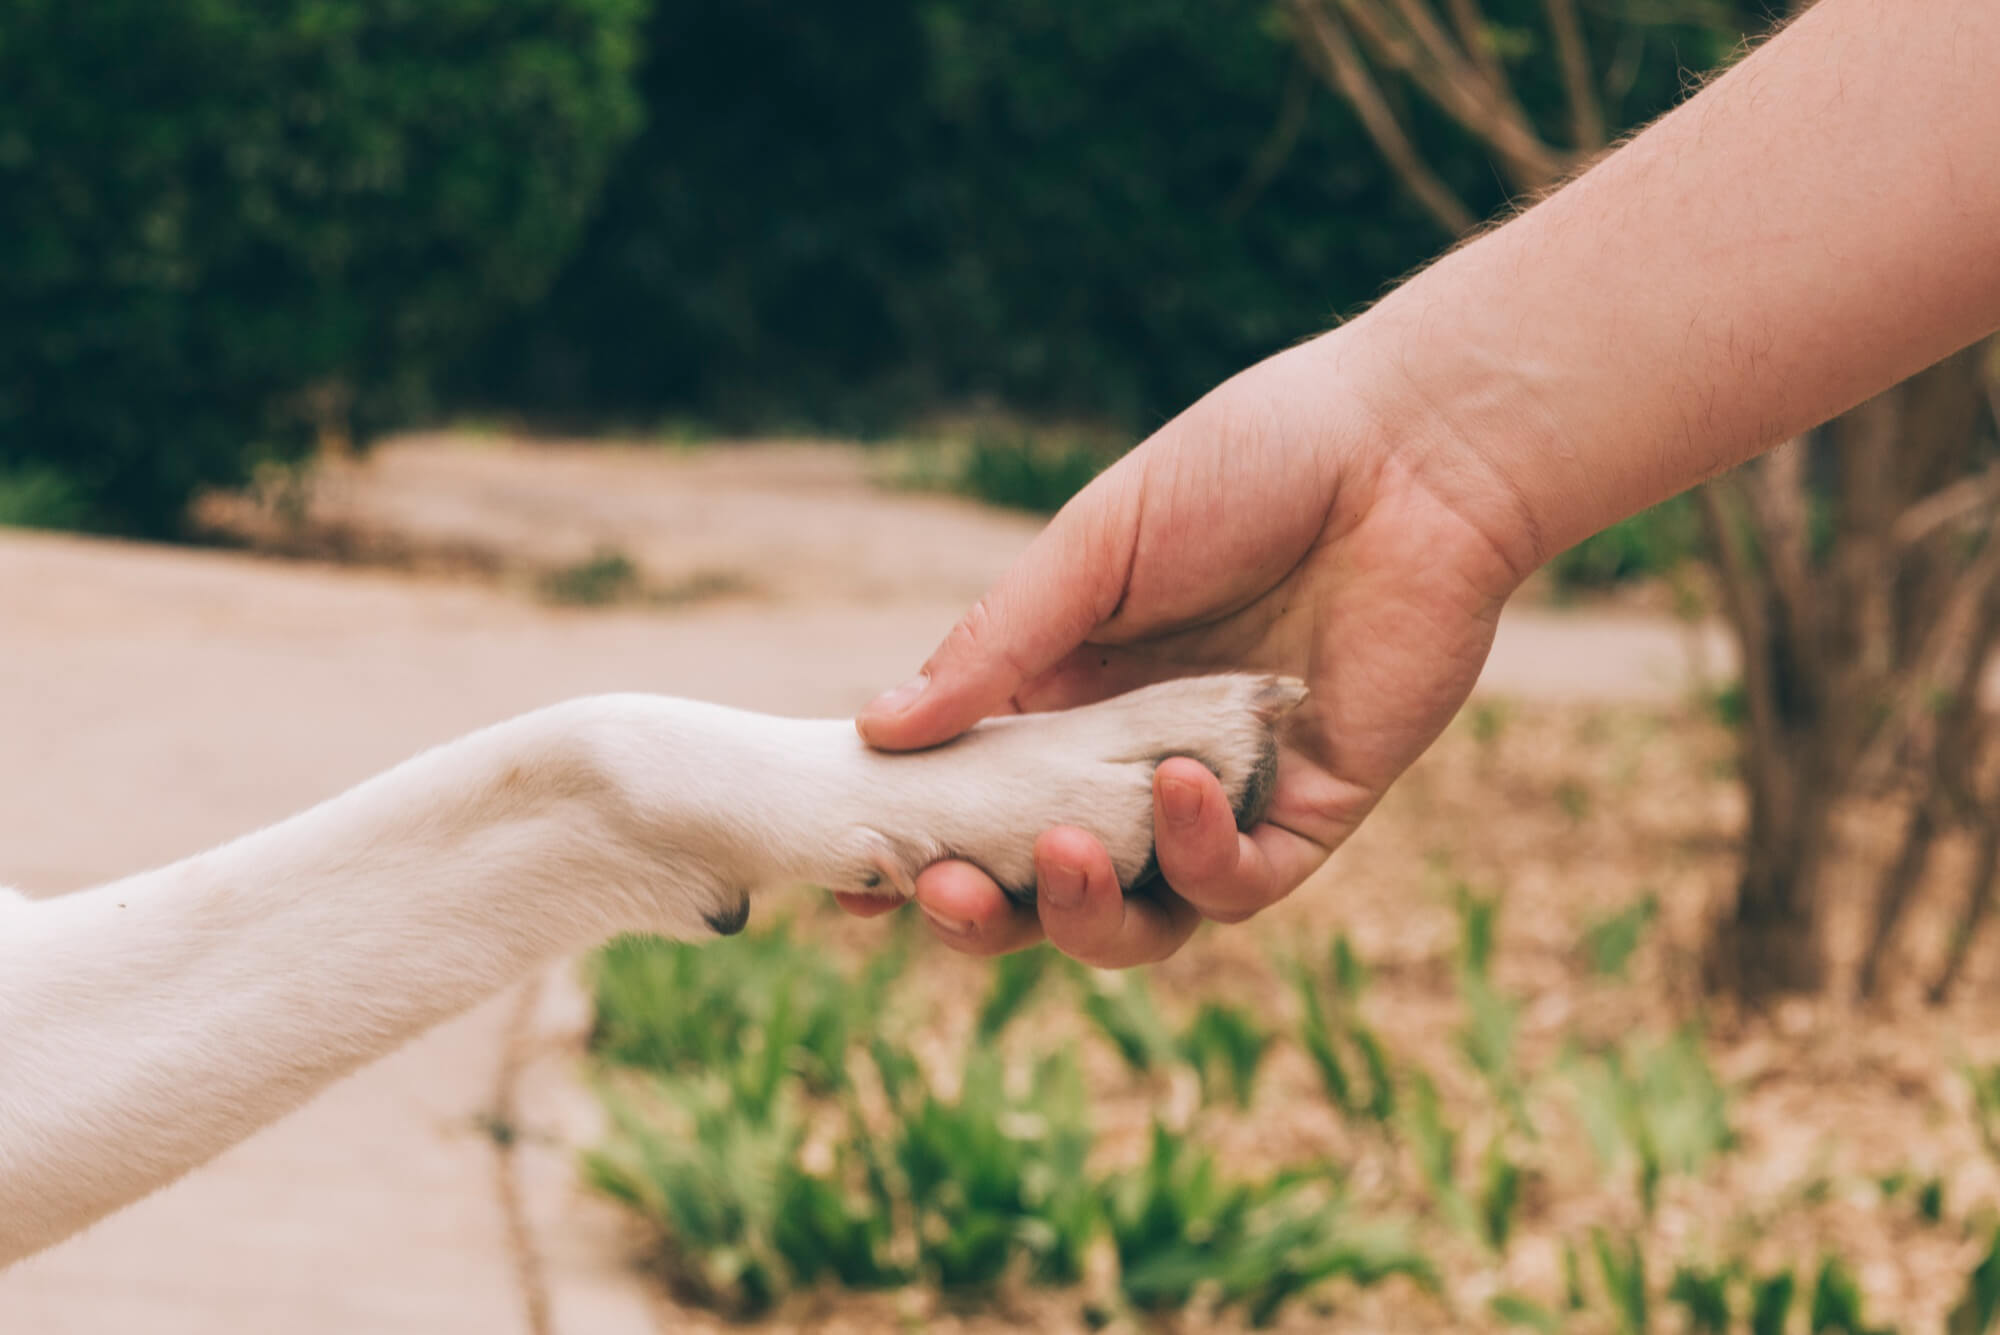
(148, 1024)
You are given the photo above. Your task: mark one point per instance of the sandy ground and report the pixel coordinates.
(154, 701)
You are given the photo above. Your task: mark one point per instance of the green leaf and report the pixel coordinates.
(1979, 1305)
(1573, 1296)
(1122, 1008)
(1015, 978)
(1610, 942)
(1478, 920)
(1771, 1303)
(1499, 1195)
(1434, 1145)
(1623, 1271)
(1515, 1310)
(1704, 1295)
(1223, 1042)
(1836, 1302)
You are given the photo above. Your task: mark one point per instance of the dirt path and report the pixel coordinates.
(155, 701)
(784, 521)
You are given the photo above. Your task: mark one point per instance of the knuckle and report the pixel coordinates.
(1087, 943)
(1201, 860)
(979, 637)
(1164, 946)
(1106, 959)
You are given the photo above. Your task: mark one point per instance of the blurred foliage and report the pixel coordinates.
(1656, 1106)
(839, 216)
(677, 1010)
(1020, 467)
(960, 1181)
(1029, 473)
(777, 1127)
(1610, 941)
(1180, 1226)
(37, 496)
(992, 1176)
(230, 224)
(1652, 542)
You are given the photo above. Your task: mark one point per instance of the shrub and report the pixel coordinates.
(1651, 543)
(742, 1138)
(1093, 211)
(38, 497)
(679, 1009)
(1181, 1227)
(232, 223)
(1027, 474)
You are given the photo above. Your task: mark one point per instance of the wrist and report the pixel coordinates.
(1450, 428)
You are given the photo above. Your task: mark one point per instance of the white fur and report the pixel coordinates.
(149, 1024)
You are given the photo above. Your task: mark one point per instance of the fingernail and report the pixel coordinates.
(1063, 886)
(902, 697)
(950, 926)
(1181, 801)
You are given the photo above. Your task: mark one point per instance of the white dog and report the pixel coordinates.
(149, 1024)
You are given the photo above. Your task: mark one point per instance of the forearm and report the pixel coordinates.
(1821, 222)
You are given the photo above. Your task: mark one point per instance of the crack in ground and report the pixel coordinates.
(503, 1130)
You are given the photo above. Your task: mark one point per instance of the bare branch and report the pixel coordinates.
(1865, 441)
(1941, 655)
(1778, 499)
(1743, 604)
(1470, 23)
(1912, 859)
(1948, 505)
(1350, 75)
(1417, 46)
(1978, 902)
(1277, 147)
(1586, 111)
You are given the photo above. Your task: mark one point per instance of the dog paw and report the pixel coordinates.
(987, 797)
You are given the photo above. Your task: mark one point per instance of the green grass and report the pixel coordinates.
(607, 576)
(716, 1062)
(775, 1127)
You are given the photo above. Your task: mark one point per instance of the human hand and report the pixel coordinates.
(1278, 524)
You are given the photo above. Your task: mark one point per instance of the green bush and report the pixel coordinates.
(1181, 1227)
(775, 1132)
(38, 497)
(679, 1009)
(719, 1061)
(839, 215)
(1028, 474)
(230, 223)
(992, 1178)
(843, 214)
(1652, 542)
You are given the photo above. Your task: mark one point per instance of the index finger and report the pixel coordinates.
(1068, 582)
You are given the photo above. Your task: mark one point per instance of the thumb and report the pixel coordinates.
(1068, 582)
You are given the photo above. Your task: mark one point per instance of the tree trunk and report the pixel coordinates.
(1770, 945)
(1905, 874)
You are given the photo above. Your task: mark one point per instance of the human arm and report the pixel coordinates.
(1821, 221)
